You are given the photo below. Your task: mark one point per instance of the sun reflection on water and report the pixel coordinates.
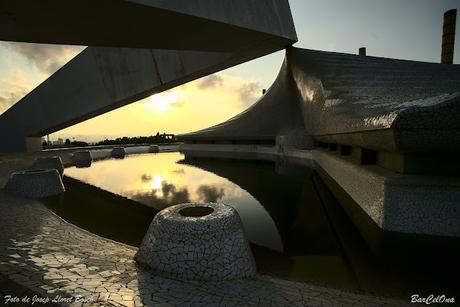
(155, 184)
(159, 181)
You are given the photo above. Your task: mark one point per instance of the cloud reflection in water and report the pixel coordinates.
(159, 181)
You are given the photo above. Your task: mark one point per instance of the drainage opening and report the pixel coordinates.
(196, 211)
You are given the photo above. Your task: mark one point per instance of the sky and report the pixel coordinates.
(403, 29)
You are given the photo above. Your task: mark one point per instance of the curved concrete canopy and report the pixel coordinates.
(378, 103)
(277, 112)
(101, 79)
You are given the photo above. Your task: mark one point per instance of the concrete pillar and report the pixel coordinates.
(207, 240)
(362, 51)
(33, 144)
(448, 37)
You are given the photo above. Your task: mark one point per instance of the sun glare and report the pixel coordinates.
(155, 184)
(162, 102)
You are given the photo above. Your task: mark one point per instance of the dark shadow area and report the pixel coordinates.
(311, 251)
(288, 196)
(197, 211)
(82, 163)
(390, 262)
(101, 212)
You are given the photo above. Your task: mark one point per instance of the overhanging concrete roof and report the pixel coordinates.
(206, 25)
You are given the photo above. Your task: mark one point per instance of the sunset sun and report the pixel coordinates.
(163, 102)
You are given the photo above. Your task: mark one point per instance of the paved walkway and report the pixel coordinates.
(54, 259)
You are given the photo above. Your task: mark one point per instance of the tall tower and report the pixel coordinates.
(448, 37)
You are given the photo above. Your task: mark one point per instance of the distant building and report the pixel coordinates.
(59, 141)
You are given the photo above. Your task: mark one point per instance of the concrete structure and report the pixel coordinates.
(82, 158)
(35, 183)
(197, 242)
(391, 125)
(207, 36)
(154, 148)
(208, 25)
(53, 162)
(263, 121)
(368, 102)
(118, 152)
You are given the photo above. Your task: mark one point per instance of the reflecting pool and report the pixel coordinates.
(296, 227)
(160, 181)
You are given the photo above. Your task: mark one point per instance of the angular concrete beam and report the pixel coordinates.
(101, 79)
(207, 25)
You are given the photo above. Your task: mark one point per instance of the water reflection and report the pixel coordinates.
(162, 180)
(210, 194)
(161, 195)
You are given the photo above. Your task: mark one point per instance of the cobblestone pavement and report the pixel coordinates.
(50, 258)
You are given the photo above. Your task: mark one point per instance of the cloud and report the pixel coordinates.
(177, 104)
(170, 195)
(13, 87)
(249, 92)
(209, 194)
(11, 97)
(146, 178)
(210, 81)
(46, 58)
(174, 195)
(163, 101)
(228, 89)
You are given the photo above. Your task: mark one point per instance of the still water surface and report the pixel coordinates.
(296, 227)
(159, 181)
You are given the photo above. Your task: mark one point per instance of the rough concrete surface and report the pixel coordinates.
(369, 102)
(211, 246)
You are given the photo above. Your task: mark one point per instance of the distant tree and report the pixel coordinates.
(79, 144)
(153, 139)
(67, 141)
(45, 143)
